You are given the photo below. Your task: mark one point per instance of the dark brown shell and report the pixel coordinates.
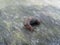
(30, 22)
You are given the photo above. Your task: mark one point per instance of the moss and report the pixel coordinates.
(19, 36)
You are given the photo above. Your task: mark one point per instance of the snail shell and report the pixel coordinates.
(30, 22)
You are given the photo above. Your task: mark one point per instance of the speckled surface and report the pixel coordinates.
(12, 14)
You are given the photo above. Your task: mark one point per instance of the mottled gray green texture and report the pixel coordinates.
(13, 33)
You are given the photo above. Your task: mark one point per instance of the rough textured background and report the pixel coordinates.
(12, 14)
